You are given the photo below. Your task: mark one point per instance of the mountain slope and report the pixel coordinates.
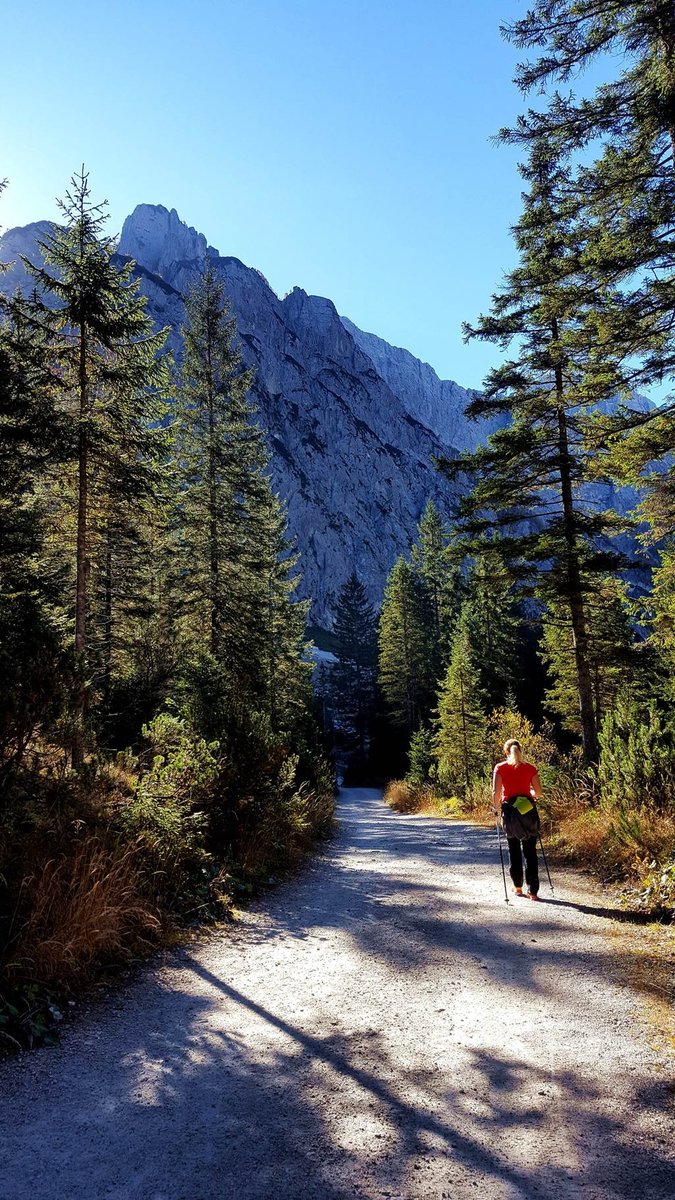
(354, 423)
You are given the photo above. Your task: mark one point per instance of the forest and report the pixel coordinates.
(163, 751)
(529, 610)
(160, 757)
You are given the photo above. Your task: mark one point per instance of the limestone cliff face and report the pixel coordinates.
(160, 241)
(353, 423)
(352, 463)
(438, 403)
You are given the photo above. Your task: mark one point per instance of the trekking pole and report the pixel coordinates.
(543, 855)
(501, 855)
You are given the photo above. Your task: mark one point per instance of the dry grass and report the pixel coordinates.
(84, 905)
(403, 797)
(285, 833)
(619, 845)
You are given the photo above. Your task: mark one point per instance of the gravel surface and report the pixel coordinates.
(382, 1025)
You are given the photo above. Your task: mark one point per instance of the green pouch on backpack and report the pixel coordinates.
(520, 817)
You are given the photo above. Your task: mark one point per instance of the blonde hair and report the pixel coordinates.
(512, 744)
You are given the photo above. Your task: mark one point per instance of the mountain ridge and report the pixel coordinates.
(354, 424)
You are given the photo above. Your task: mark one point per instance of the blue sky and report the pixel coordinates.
(340, 146)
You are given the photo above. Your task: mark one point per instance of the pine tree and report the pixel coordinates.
(422, 761)
(219, 454)
(278, 632)
(533, 469)
(460, 741)
(660, 613)
(354, 676)
(102, 339)
(34, 667)
(404, 676)
(627, 196)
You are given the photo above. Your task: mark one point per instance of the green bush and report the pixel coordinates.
(423, 767)
(637, 757)
(169, 817)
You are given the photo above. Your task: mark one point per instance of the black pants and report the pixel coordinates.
(529, 849)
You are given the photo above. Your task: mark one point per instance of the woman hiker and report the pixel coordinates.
(515, 787)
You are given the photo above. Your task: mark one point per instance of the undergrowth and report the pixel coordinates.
(100, 867)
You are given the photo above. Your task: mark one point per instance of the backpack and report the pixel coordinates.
(520, 817)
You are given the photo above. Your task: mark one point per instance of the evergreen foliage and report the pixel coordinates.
(146, 606)
(353, 677)
(236, 571)
(405, 670)
(613, 654)
(435, 564)
(460, 742)
(625, 189)
(495, 629)
(533, 469)
(423, 767)
(102, 344)
(637, 761)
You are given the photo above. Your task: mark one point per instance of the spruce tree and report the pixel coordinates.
(34, 667)
(495, 628)
(613, 653)
(106, 351)
(460, 738)
(422, 760)
(627, 196)
(218, 451)
(433, 561)
(237, 565)
(533, 469)
(404, 675)
(354, 676)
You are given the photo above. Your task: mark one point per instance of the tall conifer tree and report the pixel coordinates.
(353, 684)
(533, 469)
(627, 196)
(404, 675)
(495, 628)
(237, 575)
(460, 738)
(107, 353)
(613, 653)
(432, 560)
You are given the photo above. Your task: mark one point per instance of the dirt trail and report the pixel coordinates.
(383, 1025)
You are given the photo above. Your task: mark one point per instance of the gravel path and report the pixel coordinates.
(381, 1025)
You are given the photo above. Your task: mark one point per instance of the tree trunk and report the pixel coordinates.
(464, 733)
(82, 565)
(214, 564)
(107, 614)
(575, 594)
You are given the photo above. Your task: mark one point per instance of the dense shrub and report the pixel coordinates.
(168, 816)
(423, 762)
(637, 757)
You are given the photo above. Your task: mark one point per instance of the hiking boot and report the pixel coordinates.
(518, 891)
(532, 896)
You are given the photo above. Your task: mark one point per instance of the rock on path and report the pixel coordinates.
(382, 1025)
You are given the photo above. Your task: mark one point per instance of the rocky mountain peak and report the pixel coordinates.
(159, 241)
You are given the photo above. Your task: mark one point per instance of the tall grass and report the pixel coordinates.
(84, 905)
